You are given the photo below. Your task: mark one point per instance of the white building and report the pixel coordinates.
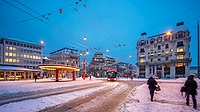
(164, 55)
(22, 57)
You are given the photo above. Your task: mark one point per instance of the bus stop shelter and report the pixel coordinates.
(58, 67)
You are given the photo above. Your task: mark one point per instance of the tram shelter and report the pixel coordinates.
(58, 67)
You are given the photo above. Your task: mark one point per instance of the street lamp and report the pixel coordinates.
(84, 63)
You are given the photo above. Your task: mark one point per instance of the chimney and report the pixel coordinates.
(180, 23)
(144, 33)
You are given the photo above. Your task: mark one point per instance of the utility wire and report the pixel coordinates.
(99, 21)
(89, 21)
(31, 15)
(39, 16)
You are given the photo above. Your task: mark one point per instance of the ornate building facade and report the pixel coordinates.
(164, 55)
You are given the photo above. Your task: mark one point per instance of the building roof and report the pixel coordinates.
(180, 28)
(14, 68)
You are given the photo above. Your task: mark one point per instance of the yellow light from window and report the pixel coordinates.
(159, 52)
(10, 54)
(6, 60)
(14, 49)
(142, 60)
(10, 60)
(14, 60)
(24, 55)
(10, 48)
(179, 56)
(166, 52)
(6, 54)
(33, 57)
(180, 50)
(14, 55)
(27, 56)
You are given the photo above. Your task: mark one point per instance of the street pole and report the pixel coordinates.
(198, 48)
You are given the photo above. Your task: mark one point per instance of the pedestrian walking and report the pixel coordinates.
(152, 86)
(35, 76)
(191, 86)
(90, 77)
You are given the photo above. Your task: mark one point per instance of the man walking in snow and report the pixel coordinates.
(191, 86)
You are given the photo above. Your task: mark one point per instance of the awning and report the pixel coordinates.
(59, 67)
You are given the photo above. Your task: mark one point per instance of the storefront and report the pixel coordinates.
(16, 73)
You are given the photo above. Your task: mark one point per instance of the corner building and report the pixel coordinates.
(164, 55)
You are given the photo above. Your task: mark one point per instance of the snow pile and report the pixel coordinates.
(166, 100)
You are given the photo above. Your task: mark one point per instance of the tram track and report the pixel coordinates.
(17, 97)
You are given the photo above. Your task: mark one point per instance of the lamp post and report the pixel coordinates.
(84, 63)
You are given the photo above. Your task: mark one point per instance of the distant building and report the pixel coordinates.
(63, 57)
(164, 55)
(17, 54)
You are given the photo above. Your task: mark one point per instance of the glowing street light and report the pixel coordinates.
(84, 38)
(168, 33)
(42, 42)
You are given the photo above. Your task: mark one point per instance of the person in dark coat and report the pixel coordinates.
(152, 86)
(191, 86)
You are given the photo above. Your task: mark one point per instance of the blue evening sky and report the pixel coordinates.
(105, 23)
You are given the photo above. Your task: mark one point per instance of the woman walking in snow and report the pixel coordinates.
(152, 86)
(191, 86)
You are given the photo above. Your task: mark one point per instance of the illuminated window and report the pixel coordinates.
(6, 48)
(27, 56)
(17, 61)
(179, 49)
(159, 52)
(14, 55)
(10, 60)
(36, 57)
(10, 48)
(6, 60)
(14, 61)
(179, 56)
(10, 54)
(142, 60)
(14, 49)
(171, 50)
(6, 54)
(24, 55)
(67, 61)
(152, 48)
(39, 57)
(180, 64)
(142, 55)
(33, 57)
(166, 52)
(152, 54)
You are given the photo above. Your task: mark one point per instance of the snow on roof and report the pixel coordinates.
(143, 37)
(180, 28)
(15, 68)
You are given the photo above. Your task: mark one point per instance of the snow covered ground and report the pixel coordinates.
(166, 100)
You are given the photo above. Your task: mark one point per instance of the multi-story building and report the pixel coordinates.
(19, 53)
(164, 55)
(63, 57)
(99, 65)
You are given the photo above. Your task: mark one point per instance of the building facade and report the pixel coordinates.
(19, 53)
(66, 57)
(164, 55)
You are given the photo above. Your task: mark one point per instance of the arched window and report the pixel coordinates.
(142, 50)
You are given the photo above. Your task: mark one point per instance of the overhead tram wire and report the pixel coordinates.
(89, 22)
(99, 21)
(53, 23)
(39, 16)
(31, 15)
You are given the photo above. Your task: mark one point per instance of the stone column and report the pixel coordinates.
(155, 70)
(187, 69)
(163, 71)
(4, 72)
(138, 71)
(172, 70)
(147, 71)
